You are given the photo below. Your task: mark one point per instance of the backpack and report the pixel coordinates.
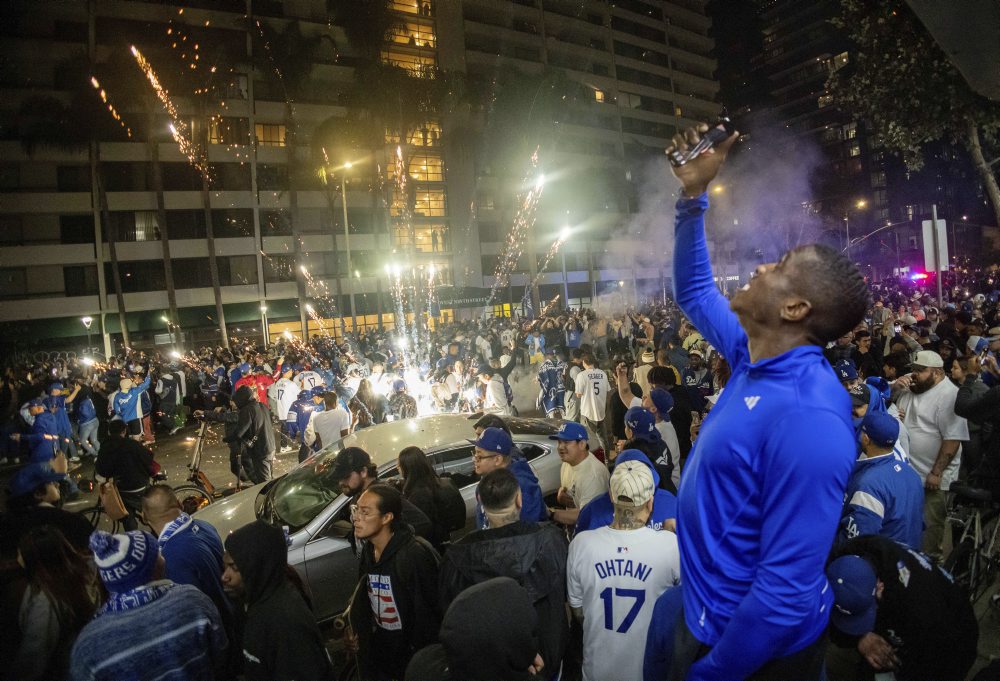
(449, 505)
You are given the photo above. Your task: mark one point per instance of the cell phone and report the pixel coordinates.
(897, 328)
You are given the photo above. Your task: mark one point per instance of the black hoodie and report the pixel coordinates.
(281, 641)
(253, 429)
(402, 584)
(488, 634)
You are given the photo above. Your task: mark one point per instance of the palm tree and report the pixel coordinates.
(48, 122)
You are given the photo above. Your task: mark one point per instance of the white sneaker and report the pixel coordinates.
(286, 449)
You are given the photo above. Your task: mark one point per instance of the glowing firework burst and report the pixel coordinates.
(178, 129)
(111, 107)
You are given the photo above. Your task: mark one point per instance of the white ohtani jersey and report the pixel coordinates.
(616, 577)
(307, 380)
(285, 392)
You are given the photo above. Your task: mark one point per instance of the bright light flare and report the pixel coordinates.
(564, 234)
(87, 362)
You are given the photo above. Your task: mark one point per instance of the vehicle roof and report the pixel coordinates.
(384, 441)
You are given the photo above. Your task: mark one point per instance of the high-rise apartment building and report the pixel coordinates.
(263, 243)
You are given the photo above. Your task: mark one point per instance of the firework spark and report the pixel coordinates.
(111, 107)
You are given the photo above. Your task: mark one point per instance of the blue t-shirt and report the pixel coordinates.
(763, 489)
(599, 512)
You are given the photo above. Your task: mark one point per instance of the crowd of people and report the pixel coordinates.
(753, 487)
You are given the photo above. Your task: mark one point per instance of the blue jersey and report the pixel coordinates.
(763, 488)
(599, 512)
(884, 497)
(550, 378)
(127, 404)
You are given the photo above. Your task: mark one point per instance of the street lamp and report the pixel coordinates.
(170, 329)
(87, 321)
(860, 204)
(263, 325)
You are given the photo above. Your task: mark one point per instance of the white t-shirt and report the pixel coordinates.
(285, 393)
(616, 577)
(506, 337)
(584, 481)
(495, 401)
(931, 419)
(308, 380)
(327, 425)
(452, 382)
(669, 435)
(592, 389)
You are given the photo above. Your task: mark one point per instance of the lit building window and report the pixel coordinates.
(423, 8)
(414, 34)
(824, 101)
(228, 131)
(269, 135)
(678, 111)
(432, 238)
(855, 150)
(429, 203)
(417, 65)
(599, 95)
(426, 167)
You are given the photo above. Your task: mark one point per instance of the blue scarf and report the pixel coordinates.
(135, 598)
(181, 522)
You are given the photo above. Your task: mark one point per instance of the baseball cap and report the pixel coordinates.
(696, 351)
(908, 320)
(929, 359)
(643, 424)
(846, 371)
(349, 460)
(56, 386)
(317, 391)
(494, 440)
(648, 357)
(964, 316)
(31, 477)
(977, 344)
(853, 582)
(632, 484)
(860, 395)
(637, 455)
(662, 400)
(570, 431)
(36, 402)
(304, 394)
(881, 386)
(398, 386)
(881, 428)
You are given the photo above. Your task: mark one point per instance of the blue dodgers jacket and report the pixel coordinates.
(533, 509)
(127, 405)
(763, 488)
(885, 497)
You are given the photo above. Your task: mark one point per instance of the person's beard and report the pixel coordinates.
(918, 387)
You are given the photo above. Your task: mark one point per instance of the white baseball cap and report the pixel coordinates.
(632, 484)
(929, 359)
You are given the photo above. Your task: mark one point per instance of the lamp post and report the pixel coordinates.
(859, 204)
(87, 321)
(170, 329)
(263, 325)
(347, 243)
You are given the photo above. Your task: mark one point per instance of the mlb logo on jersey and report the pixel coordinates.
(622, 549)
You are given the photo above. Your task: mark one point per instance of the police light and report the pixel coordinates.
(919, 276)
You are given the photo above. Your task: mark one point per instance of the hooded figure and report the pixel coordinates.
(255, 434)
(490, 633)
(281, 641)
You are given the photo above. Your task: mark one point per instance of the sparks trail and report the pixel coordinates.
(553, 250)
(178, 128)
(111, 107)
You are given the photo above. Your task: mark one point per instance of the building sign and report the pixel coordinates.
(462, 296)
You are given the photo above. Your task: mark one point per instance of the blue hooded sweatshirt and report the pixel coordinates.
(127, 405)
(533, 509)
(762, 493)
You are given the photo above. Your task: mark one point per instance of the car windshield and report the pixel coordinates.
(299, 495)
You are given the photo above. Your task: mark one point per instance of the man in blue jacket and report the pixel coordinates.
(127, 405)
(763, 487)
(493, 450)
(884, 494)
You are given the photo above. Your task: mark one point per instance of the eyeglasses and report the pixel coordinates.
(483, 457)
(363, 513)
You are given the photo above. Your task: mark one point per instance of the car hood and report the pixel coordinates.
(232, 512)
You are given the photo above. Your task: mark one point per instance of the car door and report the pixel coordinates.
(456, 463)
(331, 566)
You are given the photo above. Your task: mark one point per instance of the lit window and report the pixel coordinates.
(855, 150)
(824, 101)
(414, 35)
(432, 238)
(599, 95)
(419, 66)
(429, 135)
(430, 203)
(678, 111)
(269, 135)
(228, 131)
(426, 168)
(423, 8)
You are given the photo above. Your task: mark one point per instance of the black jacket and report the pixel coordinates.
(922, 613)
(253, 430)
(984, 410)
(403, 585)
(127, 461)
(533, 555)
(281, 641)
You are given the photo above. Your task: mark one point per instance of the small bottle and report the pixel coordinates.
(722, 131)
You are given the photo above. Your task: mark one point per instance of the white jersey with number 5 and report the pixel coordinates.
(592, 387)
(616, 577)
(285, 392)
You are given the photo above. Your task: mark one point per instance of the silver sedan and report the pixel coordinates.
(307, 500)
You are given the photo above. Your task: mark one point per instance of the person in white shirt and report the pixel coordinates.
(572, 402)
(495, 401)
(926, 400)
(308, 379)
(329, 425)
(582, 476)
(591, 390)
(616, 573)
(454, 382)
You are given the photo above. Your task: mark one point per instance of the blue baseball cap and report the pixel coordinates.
(846, 371)
(296, 367)
(662, 400)
(636, 455)
(643, 424)
(881, 386)
(31, 477)
(398, 386)
(853, 581)
(304, 394)
(56, 386)
(495, 440)
(318, 391)
(881, 428)
(570, 431)
(36, 402)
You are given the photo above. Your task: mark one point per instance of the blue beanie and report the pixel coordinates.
(124, 561)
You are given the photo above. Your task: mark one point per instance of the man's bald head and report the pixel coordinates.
(160, 506)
